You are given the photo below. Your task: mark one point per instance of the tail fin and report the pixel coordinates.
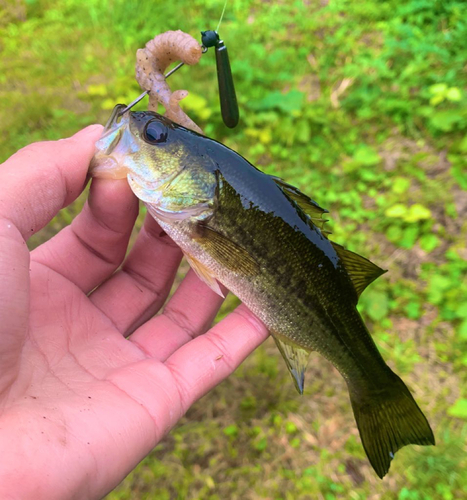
(388, 419)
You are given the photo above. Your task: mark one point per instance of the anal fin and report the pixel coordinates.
(296, 359)
(205, 275)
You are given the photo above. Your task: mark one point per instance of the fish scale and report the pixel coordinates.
(264, 240)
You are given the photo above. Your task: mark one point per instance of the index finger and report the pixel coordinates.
(44, 177)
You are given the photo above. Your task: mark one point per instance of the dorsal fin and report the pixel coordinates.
(361, 271)
(309, 206)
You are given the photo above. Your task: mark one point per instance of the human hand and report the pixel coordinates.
(81, 404)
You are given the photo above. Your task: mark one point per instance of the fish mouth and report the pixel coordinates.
(107, 167)
(112, 148)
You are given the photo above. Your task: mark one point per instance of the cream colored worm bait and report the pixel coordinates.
(151, 63)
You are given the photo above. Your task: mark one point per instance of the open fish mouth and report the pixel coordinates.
(112, 148)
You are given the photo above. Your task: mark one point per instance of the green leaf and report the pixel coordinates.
(290, 428)
(97, 90)
(461, 311)
(231, 430)
(462, 332)
(445, 120)
(409, 236)
(428, 242)
(303, 131)
(397, 211)
(438, 285)
(198, 104)
(295, 442)
(454, 94)
(366, 156)
(416, 213)
(262, 444)
(438, 88)
(459, 409)
(463, 145)
(394, 233)
(413, 310)
(292, 101)
(436, 99)
(376, 305)
(400, 185)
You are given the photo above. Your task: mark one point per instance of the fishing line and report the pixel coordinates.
(222, 15)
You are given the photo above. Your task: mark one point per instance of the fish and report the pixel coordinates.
(266, 242)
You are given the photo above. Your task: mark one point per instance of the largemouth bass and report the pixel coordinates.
(264, 240)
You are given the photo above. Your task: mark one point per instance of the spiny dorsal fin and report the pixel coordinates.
(361, 271)
(309, 206)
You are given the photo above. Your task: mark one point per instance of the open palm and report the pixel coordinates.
(81, 403)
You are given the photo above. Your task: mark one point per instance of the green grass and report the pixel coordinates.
(363, 105)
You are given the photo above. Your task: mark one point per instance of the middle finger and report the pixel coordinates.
(139, 289)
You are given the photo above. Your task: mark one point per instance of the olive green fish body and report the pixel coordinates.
(264, 240)
(300, 289)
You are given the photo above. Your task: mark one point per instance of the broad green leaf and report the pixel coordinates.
(459, 409)
(292, 101)
(303, 131)
(454, 94)
(437, 99)
(461, 311)
(366, 156)
(438, 88)
(413, 310)
(462, 332)
(429, 242)
(198, 104)
(400, 185)
(97, 90)
(463, 145)
(394, 233)
(437, 288)
(446, 119)
(397, 211)
(416, 213)
(409, 236)
(376, 305)
(231, 430)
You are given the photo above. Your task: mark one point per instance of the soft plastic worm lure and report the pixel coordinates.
(163, 50)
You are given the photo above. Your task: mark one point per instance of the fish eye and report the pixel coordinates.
(156, 132)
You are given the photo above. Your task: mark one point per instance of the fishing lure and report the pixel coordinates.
(151, 63)
(163, 50)
(227, 96)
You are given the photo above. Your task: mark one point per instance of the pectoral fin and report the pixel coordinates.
(296, 359)
(205, 275)
(225, 251)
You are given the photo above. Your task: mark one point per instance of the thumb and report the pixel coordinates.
(43, 177)
(36, 183)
